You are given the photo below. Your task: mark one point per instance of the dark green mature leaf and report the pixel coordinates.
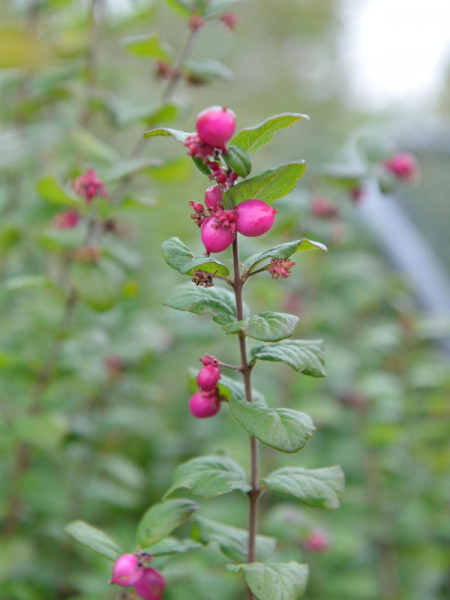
(206, 69)
(179, 136)
(321, 488)
(282, 251)
(209, 476)
(198, 162)
(171, 546)
(93, 538)
(233, 542)
(281, 581)
(238, 160)
(268, 187)
(50, 191)
(267, 326)
(161, 519)
(148, 46)
(305, 356)
(253, 138)
(178, 256)
(284, 429)
(219, 302)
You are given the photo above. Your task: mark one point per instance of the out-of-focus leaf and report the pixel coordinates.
(268, 187)
(253, 138)
(93, 538)
(161, 519)
(346, 177)
(18, 49)
(51, 191)
(42, 431)
(179, 136)
(148, 46)
(207, 69)
(26, 282)
(99, 285)
(274, 581)
(125, 168)
(172, 170)
(171, 546)
(92, 148)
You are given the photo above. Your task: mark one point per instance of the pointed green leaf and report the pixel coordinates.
(305, 356)
(282, 251)
(179, 136)
(321, 488)
(284, 429)
(161, 519)
(178, 256)
(253, 138)
(50, 191)
(206, 69)
(267, 326)
(209, 476)
(233, 542)
(268, 187)
(148, 46)
(171, 546)
(274, 581)
(238, 160)
(217, 301)
(93, 538)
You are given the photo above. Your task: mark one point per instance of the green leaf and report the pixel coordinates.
(50, 191)
(148, 46)
(305, 356)
(253, 138)
(219, 302)
(171, 546)
(233, 542)
(238, 160)
(125, 168)
(161, 519)
(99, 285)
(282, 251)
(206, 69)
(93, 148)
(26, 282)
(209, 476)
(281, 581)
(268, 187)
(198, 162)
(93, 538)
(178, 256)
(231, 388)
(267, 326)
(179, 136)
(321, 488)
(284, 429)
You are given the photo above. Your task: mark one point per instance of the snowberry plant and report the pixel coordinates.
(234, 205)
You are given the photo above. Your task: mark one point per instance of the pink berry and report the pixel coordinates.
(204, 404)
(208, 377)
(215, 125)
(151, 585)
(317, 542)
(254, 217)
(323, 208)
(213, 197)
(403, 166)
(67, 220)
(215, 239)
(127, 570)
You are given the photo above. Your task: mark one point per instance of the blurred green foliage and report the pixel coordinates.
(113, 422)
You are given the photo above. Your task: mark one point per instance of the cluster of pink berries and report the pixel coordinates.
(132, 570)
(206, 401)
(280, 267)
(87, 185)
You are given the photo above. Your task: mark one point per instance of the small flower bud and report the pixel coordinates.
(127, 570)
(280, 267)
(208, 377)
(254, 217)
(215, 125)
(204, 404)
(208, 359)
(151, 585)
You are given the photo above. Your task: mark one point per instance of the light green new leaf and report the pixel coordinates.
(179, 136)
(219, 302)
(321, 488)
(282, 251)
(305, 356)
(93, 538)
(209, 476)
(233, 542)
(268, 187)
(50, 191)
(267, 326)
(253, 138)
(284, 429)
(178, 256)
(281, 581)
(171, 546)
(148, 46)
(161, 519)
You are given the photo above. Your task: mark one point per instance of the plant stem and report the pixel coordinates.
(255, 490)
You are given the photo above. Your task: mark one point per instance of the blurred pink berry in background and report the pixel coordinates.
(403, 166)
(89, 186)
(317, 541)
(127, 570)
(67, 220)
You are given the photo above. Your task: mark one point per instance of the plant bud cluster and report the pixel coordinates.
(206, 402)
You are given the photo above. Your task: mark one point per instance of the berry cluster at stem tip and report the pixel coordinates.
(132, 570)
(206, 400)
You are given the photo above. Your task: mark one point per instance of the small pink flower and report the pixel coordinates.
(67, 220)
(316, 542)
(403, 166)
(281, 267)
(89, 186)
